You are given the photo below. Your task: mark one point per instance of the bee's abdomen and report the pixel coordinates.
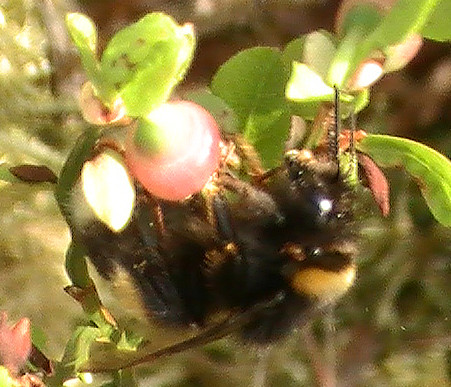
(325, 278)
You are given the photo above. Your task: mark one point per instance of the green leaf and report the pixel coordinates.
(6, 175)
(145, 61)
(316, 50)
(405, 18)
(306, 85)
(5, 379)
(38, 337)
(363, 16)
(359, 22)
(129, 342)
(438, 26)
(84, 35)
(83, 32)
(341, 65)
(319, 50)
(361, 100)
(123, 378)
(268, 132)
(107, 357)
(78, 348)
(252, 83)
(293, 51)
(308, 90)
(223, 114)
(430, 169)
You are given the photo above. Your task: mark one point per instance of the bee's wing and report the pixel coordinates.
(215, 332)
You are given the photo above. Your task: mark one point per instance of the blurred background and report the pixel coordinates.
(392, 329)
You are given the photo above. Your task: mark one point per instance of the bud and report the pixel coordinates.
(399, 55)
(95, 112)
(368, 73)
(393, 57)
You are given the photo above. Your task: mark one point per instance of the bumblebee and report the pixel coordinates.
(265, 249)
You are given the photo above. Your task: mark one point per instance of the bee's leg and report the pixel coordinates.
(218, 212)
(259, 200)
(210, 194)
(222, 217)
(263, 178)
(158, 218)
(151, 231)
(150, 220)
(324, 119)
(249, 155)
(227, 250)
(168, 268)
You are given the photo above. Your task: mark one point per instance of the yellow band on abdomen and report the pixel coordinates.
(326, 286)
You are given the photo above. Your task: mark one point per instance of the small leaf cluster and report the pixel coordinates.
(141, 64)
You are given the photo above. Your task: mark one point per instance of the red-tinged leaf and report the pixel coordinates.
(430, 169)
(34, 173)
(15, 343)
(377, 183)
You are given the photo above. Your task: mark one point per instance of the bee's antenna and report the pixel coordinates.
(334, 130)
(352, 133)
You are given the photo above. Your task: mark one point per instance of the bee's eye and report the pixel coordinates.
(324, 206)
(315, 252)
(296, 162)
(294, 169)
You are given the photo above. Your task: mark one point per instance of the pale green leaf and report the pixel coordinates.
(430, 169)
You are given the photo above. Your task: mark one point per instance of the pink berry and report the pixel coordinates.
(182, 153)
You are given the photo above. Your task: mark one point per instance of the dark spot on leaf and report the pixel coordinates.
(124, 61)
(140, 42)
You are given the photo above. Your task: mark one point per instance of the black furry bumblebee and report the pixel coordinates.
(266, 252)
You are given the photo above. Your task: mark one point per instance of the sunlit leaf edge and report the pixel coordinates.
(430, 169)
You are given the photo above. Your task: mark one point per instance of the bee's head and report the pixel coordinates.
(321, 262)
(318, 198)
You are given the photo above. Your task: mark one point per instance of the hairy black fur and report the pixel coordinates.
(197, 266)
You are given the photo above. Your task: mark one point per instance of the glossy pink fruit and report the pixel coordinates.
(183, 156)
